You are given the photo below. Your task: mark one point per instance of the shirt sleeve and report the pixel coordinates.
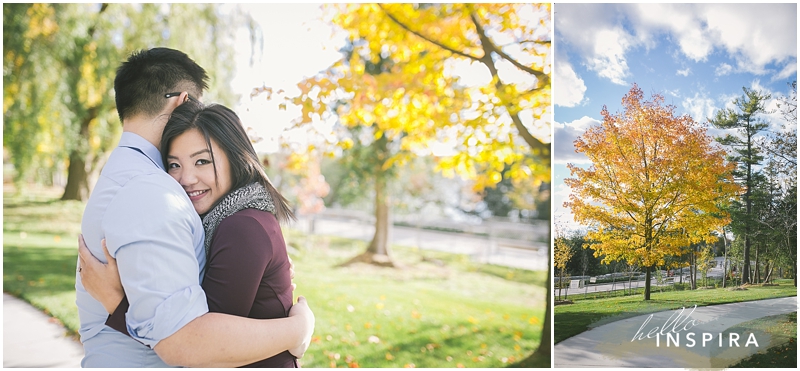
(150, 231)
(239, 255)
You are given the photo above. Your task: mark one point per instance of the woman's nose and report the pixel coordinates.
(188, 177)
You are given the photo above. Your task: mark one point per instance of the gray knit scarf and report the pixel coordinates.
(252, 196)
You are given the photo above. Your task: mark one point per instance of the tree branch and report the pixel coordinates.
(540, 42)
(488, 47)
(434, 42)
(487, 60)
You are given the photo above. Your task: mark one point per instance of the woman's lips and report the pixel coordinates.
(196, 195)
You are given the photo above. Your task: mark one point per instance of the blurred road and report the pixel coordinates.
(527, 255)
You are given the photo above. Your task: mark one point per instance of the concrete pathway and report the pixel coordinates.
(32, 340)
(613, 344)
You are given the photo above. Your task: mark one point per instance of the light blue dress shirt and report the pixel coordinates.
(157, 237)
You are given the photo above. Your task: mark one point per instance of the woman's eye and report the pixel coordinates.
(203, 162)
(173, 166)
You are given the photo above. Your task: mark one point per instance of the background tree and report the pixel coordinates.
(746, 120)
(653, 186)
(59, 66)
(783, 148)
(51, 93)
(705, 260)
(562, 253)
(504, 121)
(384, 116)
(514, 198)
(583, 253)
(775, 209)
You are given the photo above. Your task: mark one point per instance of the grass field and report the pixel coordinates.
(570, 320)
(782, 348)
(438, 310)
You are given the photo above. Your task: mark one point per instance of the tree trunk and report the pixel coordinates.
(379, 251)
(380, 241)
(749, 205)
(693, 269)
(724, 260)
(768, 271)
(541, 357)
(771, 270)
(560, 283)
(757, 274)
(614, 280)
(647, 283)
(77, 187)
(543, 352)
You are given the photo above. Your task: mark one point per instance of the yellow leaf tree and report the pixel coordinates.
(655, 184)
(402, 80)
(562, 253)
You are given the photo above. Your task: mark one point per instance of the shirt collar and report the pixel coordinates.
(136, 141)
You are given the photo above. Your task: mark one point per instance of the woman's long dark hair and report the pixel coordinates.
(223, 125)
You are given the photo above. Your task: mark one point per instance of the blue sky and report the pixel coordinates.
(698, 56)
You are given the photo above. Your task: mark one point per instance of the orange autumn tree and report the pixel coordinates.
(654, 186)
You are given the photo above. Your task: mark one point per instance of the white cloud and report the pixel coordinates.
(770, 34)
(674, 93)
(562, 191)
(700, 107)
(684, 72)
(789, 72)
(754, 35)
(678, 20)
(601, 44)
(569, 88)
(562, 215)
(609, 55)
(565, 136)
(723, 69)
(584, 123)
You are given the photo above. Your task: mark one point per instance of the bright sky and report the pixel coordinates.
(699, 56)
(298, 44)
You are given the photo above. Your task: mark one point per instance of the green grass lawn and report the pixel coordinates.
(782, 348)
(573, 319)
(438, 310)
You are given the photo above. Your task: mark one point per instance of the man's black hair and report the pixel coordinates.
(147, 75)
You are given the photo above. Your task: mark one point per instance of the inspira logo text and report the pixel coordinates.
(678, 326)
